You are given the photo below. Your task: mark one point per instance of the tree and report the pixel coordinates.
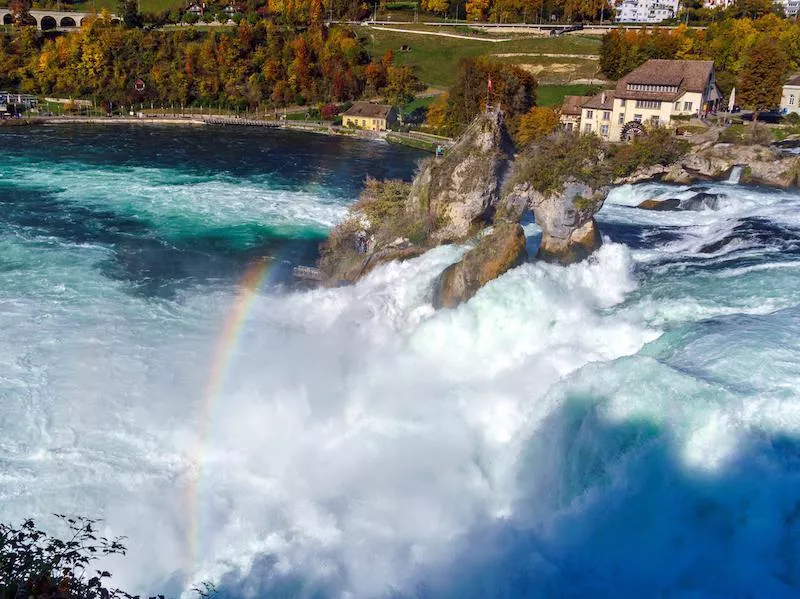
(436, 117)
(762, 76)
(34, 564)
(477, 9)
(129, 9)
(20, 12)
(536, 123)
(401, 83)
(436, 6)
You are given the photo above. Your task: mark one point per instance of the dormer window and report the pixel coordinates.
(642, 87)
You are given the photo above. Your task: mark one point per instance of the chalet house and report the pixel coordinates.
(651, 95)
(790, 98)
(373, 117)
(570, 116)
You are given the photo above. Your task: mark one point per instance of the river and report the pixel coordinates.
(627, 426)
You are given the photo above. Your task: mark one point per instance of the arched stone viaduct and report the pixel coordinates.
(51, 19)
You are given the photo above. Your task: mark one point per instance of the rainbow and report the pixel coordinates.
(253, 278)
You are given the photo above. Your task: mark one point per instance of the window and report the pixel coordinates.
(791, 99)
(677, 105)
(622, 102)
(569, 127)
(654, 121)
(363, 123)
(606, 116)
(589, 114)
(621, 117)
(604, 130)
(653, 104)
(637, 118)
(587, 128)
(687, 105)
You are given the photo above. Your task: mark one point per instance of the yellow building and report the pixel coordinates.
(373, 117)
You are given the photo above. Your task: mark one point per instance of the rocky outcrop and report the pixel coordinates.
(566, 217)
(661, 205)
(761, 165)
(498, 251)
(459, 192)
(697, 203)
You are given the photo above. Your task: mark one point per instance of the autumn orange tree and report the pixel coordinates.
(267, 64)
(762, 76)
(536, 123)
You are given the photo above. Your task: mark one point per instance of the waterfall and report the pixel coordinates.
(736, 174)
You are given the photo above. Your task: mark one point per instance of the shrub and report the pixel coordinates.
(792, 119)
(747, 134)
(328, 111)
(658, 146)
(563, 156)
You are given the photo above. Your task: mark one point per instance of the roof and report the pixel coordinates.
(794, 81)
(367, 110)
(572, 104)
(602, 101)
(686, 75)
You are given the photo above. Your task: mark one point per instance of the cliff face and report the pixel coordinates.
(451, 199)
(458, 192)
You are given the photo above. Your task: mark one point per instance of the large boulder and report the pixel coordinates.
(498, 251)
(458, 192)
(566, 217)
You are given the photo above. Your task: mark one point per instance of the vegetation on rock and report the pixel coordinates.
(658, 146)
(547, 164)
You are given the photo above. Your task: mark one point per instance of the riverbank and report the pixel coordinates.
(419, 141)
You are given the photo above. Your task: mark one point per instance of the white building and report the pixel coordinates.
(647, 11)
(790, 7)
(718, 3)
(650, 96)
(790, 98)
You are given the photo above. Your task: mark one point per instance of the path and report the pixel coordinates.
(463, 37)
(546, 55)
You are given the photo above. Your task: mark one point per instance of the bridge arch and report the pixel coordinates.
(8, 19)
(47, 22)
(68, 22)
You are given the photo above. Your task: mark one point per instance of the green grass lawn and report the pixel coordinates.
(147, 5)
(553, 95)
(423, 102)
(436, 58)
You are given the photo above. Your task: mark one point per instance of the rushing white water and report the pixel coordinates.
(622, 427)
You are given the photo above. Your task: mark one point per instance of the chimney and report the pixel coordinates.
(603, 98)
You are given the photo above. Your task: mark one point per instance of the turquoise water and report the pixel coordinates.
(623, 427)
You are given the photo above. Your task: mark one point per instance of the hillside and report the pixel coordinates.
(556, 60)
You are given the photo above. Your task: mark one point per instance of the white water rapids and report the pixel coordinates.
(622, 427)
